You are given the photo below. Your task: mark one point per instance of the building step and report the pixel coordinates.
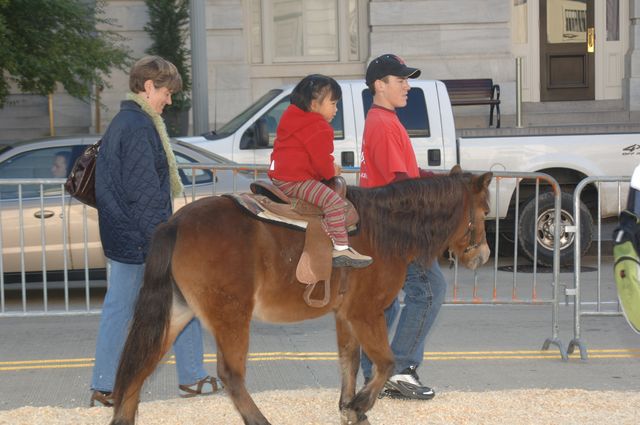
(581, 106)
(552, 114)
(565, 117)
(574, 113)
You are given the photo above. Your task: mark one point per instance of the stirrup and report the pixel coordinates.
(187, 391)
(99, 398)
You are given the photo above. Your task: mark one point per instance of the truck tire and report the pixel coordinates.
(539, 229)
(505, 243)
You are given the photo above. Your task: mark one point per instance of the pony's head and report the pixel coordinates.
(469, 241)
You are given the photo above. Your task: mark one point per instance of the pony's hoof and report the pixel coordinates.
(351, 417)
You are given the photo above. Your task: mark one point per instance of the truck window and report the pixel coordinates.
(413, 116)
(241, 118)
(274, 114)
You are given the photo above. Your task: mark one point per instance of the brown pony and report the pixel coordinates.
(215, 262)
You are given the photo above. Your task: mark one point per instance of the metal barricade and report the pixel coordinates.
(495, 291)
(74, 236)
(13, 218)
(576, 291)
(513, 293)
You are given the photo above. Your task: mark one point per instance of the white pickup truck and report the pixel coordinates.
(596, 151)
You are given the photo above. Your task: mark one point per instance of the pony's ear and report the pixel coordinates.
(456, 169)
(482, 182)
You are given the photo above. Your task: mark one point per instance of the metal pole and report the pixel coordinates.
(200, 88)
(52, 129)
(519, 92)
(98, 91)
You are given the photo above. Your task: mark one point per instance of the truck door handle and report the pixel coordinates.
(433, 157)
(43, 214)
(347, 159)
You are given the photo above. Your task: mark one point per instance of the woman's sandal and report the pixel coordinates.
(99, 398)
(205, 386)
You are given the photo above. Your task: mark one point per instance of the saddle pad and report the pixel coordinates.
(254, 204)
(338, 184)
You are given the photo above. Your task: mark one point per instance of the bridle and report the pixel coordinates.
(471, 232)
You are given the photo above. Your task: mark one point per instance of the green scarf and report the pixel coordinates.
(158, 122)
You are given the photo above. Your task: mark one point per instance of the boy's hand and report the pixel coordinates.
(337, 169)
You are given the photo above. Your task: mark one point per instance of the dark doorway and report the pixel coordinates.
(567, 44)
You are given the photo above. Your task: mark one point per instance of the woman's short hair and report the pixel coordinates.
(162, 72)
(314, 87)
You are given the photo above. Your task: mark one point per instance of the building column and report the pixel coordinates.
(633, 62)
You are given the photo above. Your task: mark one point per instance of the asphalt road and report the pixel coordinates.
(47, 360)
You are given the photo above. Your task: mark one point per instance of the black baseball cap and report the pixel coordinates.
(389, 64)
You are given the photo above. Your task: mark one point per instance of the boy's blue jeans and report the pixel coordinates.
(424, 294)
(125, 281)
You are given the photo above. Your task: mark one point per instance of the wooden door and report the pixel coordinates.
(567, 45)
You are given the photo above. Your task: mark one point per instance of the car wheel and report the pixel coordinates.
(539, 229)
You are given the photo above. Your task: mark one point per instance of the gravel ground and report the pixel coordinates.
(319, 407)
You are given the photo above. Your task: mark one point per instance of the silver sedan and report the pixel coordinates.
(37, 216)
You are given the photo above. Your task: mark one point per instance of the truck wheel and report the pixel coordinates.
(505, 247)
(540, 229)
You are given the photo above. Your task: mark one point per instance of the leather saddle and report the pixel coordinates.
(268, 203)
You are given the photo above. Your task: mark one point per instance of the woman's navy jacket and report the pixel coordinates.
(132, 185)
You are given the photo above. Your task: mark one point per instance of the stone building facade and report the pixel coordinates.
(255, 45)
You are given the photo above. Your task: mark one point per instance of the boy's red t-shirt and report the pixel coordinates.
(386, 149)
(303, 147)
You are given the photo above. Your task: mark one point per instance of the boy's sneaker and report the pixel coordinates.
(350, 258)
(406, 385)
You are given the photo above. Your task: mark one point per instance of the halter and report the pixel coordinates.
(473, 244)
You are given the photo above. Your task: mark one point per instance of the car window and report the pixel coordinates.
(413, 116)
(272, 118)
(189, 176)
(45, 163)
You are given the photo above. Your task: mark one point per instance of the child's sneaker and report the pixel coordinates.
(349, 257)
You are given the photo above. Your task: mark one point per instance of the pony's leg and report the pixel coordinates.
(349, 358)
(371, 332)
(126, 407)
(232, 340)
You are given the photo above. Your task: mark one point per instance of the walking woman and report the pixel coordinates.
(136, 179)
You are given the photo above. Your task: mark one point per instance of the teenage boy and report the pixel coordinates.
(387, 157)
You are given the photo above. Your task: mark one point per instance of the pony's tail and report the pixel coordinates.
(149, 327)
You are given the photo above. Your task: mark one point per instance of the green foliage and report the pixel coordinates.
(45, 42)
(168, 27)
(5, 52)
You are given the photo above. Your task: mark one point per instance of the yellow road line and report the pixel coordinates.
(618, 353)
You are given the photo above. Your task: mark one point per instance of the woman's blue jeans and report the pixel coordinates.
(424, 294)
(125, 281)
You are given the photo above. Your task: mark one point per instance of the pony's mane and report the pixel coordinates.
(411, 216)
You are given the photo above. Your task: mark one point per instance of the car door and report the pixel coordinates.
(31, 215)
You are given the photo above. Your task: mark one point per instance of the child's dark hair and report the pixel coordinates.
(316, 87)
